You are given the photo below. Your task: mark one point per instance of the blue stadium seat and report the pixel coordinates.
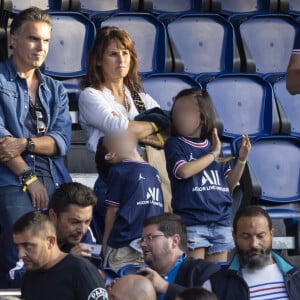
(164, 86)
(16, 6)
(266, 41)
(290, 6)
(249, 6)
(204, 43)
(244, 105)
(130, 269)
(175, 6)
(72, 36)
(289, 108)
(272, 180)
(148, 35)
(107, 6)
(111, 275)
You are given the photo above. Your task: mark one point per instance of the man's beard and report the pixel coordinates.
(260, 260)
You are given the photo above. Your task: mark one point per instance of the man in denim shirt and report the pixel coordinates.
(35, 124)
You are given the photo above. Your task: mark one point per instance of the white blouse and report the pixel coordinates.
(100, 114)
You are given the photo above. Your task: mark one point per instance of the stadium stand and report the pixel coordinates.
(203, 43)
(260, 39)
(16, 6)
(104, 6)
(164, 86)
(271, 179)
(288, 107)
(228, 7)
(62, 61)
(175, 6)
(249, 99)
(289, 6)
(208, 41)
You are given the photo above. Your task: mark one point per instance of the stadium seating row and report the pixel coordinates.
(193, 43)
(158, 6)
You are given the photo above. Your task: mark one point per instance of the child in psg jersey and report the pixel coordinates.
(134, 194)
(200, 184)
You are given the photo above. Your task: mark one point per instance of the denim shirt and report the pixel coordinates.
(14, 105)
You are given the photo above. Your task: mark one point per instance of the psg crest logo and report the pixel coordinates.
(98, 294)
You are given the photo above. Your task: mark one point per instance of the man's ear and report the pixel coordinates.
(52, 216)
(272, 232)
(12, 41)
(110, 156)
(51, 241)
(176, 240)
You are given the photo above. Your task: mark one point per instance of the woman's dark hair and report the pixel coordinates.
(197, 293)
(104, 36)
(102, 164)
(207, 112)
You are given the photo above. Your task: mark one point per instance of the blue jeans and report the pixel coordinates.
(214, 237)
(14, 203)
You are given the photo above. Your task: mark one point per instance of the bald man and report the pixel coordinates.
(132, 287)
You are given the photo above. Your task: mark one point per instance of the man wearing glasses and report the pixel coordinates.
(35, 124)
(171, 270)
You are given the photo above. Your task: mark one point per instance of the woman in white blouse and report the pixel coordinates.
(106, 104)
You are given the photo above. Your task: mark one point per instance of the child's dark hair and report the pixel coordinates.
(102, 164)
(207, 112)
(197, 293)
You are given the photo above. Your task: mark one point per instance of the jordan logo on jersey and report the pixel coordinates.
(192, 157)
(141, 177)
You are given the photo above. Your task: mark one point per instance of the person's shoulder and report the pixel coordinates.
(200, 265)
(78, 262)
(172, 140)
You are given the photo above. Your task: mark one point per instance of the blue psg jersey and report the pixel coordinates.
(205, 197)
(135, 188)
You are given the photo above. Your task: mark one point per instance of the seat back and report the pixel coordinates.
(268, 40)
(233, 6)
(164, 87)
(244, 105)
(169, 6)
(274, 166)
(72, 36)
(204, 42)
(289, 107)
(108, 6)
(16, 6)
(148, 35)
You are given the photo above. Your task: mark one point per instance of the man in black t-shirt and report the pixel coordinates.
(51, 273)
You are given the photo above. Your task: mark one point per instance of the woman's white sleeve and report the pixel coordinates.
(96, 112)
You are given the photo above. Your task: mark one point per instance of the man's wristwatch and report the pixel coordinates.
(30, 145)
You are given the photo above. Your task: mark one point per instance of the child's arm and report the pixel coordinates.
(110, 218)
(192, 168)
(239, 167)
